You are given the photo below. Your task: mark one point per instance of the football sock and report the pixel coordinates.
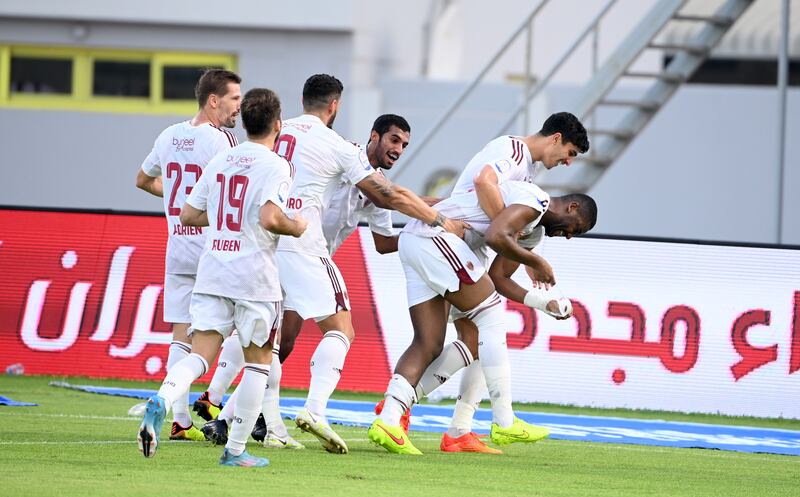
(180, 408)
(248, 405)
(326, 368)
(470, 393)
(270, 407)
(229, 408)
(400, 396)
(230, 362)
(180, 377)
(489, 317)
(455, 355)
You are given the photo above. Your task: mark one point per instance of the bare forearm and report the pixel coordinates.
(281, 224)
(500, 272)
(153, 186)
(489, 198)
(195, 219)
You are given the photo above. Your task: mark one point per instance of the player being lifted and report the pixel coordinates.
(440, 267)
(388, 140)
(241, 195)
(311, 281)
(176, 163)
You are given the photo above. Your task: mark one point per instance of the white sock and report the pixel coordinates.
(180, 377)
(455, 355)
(230, 362)
(489, 318)
(180, 408)
(248, 406)
(270, 407)
(400, 396)
(227, 412)
(326, 368)
(470, 393)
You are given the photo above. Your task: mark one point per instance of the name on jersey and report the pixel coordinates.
(294, 203)
(183, 144)
(241, 161)
(223, 245)
(180, 229)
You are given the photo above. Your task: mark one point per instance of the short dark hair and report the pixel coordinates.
(571, 129)
(587, 207)
(386, 121)
(319, 90)
(260, 109)
(214, 81)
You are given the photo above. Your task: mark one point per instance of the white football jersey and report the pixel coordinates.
(180, 154)
(238, 260)
(322, 161)
(465, 206)
(510, 160)
(347, 207)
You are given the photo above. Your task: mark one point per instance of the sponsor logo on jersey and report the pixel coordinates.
(298, 126)
(183, 144)
(240, 161)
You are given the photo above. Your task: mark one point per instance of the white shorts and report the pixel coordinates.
(177, 297)
(312, 286)
(255, 322)
(434, 266)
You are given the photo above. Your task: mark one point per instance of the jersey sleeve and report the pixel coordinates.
(277, 185)
(528, 194)
(224, 140)
(152, 164)
(198, 198)
(379, 220)
(353, 160)
(509, 161)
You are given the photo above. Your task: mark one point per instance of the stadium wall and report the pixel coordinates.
(658, 325)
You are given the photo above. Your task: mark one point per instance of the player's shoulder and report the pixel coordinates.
(524, 189)
(216, 133)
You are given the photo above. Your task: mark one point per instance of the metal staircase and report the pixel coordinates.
(613, 115)
(633, 113)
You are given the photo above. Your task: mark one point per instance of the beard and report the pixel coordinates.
(330, 121)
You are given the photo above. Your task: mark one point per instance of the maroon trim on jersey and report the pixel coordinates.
(517, 153)
(276, 324)
(231, 138)
(453, 259)
(341, 300)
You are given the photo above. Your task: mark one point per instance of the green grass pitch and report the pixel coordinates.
(83, 444)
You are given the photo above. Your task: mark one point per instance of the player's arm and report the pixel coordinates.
(150, 184)
(487, 188)
(430, 200)
(501, 236)
(192, 216)
(500, 272)
(385, 244)
(272, 218)
(387, 195)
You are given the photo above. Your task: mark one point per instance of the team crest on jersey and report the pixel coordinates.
(283, 191)
(502, 165)
(183, 144)
(470, 265)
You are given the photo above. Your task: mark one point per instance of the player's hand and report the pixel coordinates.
(556, 311)
(541, 276)
(456, 226)
(301, 224)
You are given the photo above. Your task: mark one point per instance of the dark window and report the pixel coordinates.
(757, 72)
(121, 79)
(179, 81)
(36, 75)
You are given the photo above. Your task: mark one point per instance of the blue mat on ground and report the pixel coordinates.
(5, 401)
(432, 418)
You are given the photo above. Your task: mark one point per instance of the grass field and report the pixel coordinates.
(83, 444)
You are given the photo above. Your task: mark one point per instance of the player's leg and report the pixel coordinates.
(256, 324)
(290, 330)
(229, 364)
(314, 288)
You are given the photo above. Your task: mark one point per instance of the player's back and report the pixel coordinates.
(322, 160)
(508, 155)
(179, 155)
(239, 256)
(465, 207)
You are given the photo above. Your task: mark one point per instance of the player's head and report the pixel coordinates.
(321, 96)
(388, 139)
(570, 215)
(565, 138)
(219, 96)
(261, 113)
